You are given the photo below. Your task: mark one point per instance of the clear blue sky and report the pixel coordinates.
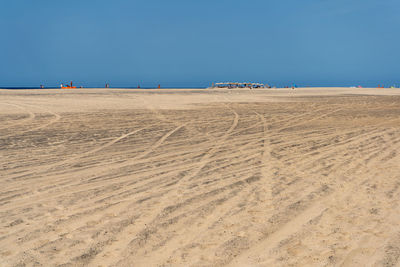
(192, 43)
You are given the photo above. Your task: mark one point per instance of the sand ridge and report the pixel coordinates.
(303, 177)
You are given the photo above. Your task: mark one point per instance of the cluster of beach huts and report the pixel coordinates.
(232, 85)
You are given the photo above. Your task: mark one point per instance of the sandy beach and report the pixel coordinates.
(190, 177)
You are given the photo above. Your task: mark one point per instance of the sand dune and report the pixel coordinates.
(305, 177)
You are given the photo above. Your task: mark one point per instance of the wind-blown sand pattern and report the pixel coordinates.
(305, 177)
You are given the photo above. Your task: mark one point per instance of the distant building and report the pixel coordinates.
(231, 85)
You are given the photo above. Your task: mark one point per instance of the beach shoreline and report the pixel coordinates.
(195, 177)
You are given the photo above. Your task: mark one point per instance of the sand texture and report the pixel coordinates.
(304, 177)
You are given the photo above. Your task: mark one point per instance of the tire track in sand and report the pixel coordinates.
(253, 255)
(267, 162)
(257, 254)
(232, 197)
(30, 117)
(158, 143)
(56, 118)
(165, 201)
(266, 155)
(100, 170)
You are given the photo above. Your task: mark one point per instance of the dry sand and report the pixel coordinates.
(305, 177)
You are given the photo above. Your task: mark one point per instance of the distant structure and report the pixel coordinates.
(232, 85)
(70, 86)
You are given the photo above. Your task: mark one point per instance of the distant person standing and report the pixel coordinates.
(159, 86)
